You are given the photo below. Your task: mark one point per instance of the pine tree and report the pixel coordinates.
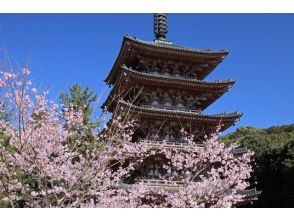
(81, 102)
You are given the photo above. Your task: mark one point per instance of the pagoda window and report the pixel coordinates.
(182, 139)
(174, 175)
(165, 133)
(152, 98)
(144, 65)
(169, 70)
(153, 170)
(180, 101)
(184, 71)
(177, 72)
(194, 71)
(168, 174)
(153, 136)
(156, 173)
(154, 67)
(164, 68)
(155, 101)
(150, 172)
(193, 102)
(140, 65)
(166, 138)
(168, 101)
(172, 136)
(153, 133)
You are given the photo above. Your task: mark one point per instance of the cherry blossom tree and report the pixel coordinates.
(39, 167)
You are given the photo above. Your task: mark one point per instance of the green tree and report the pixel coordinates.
(81, 99)
(274, 173)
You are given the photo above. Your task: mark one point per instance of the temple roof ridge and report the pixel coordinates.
(176, 47)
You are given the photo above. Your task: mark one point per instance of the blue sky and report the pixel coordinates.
(64, 49)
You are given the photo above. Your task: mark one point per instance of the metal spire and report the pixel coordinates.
(160, 26)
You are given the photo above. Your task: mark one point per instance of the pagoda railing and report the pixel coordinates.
(183, 145)
(159, 181)
(168, 144)
(248, 194)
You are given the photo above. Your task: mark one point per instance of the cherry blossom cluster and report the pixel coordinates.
(38, 168)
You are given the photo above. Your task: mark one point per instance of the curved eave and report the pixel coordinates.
(247, 193)
(248, 196)
(174, 48)
(216, 119)
(178, 81)
(240, 150)
(218, 88)
(162, 49)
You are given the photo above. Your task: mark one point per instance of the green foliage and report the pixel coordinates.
(3, 204)
(5, 113)
(274, 173)
(82, 99)
(261, 140)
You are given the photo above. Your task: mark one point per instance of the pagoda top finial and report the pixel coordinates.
(160, 26)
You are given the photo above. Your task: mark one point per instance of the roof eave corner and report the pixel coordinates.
(109, 77)
(226, 53)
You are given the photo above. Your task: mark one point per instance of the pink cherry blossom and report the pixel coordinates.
(39, 169)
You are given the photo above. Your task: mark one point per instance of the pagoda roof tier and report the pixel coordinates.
(216, 88)
(249, 192)
(249, 195)
(224, 119)
(178, 82)
(165, 50)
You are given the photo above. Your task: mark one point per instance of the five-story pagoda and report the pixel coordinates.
(162, 85)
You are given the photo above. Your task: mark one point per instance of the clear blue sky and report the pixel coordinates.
(80, 48)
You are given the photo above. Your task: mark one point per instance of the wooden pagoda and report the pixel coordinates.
(164, 85)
